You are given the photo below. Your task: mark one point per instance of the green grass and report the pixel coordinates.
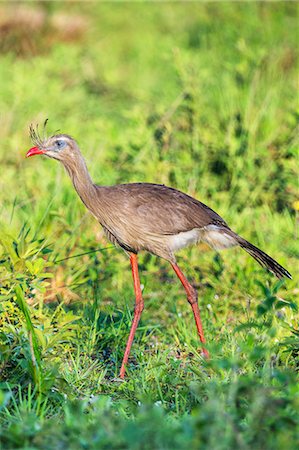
(197, 96)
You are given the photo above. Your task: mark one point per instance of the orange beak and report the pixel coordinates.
(34, 151)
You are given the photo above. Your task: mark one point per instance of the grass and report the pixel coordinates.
(196, 96)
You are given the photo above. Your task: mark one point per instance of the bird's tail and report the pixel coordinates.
(220, 237)
(263, 259)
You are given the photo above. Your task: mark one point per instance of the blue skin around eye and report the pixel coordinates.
(60, 144)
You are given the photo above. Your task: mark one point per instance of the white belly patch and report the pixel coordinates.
(212, 235)
(185, 238)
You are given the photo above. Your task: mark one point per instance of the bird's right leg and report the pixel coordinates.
(139, 305)
(193, 300)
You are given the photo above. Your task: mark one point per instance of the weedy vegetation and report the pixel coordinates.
(197, 96)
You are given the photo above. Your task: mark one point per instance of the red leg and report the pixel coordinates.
(139, 305)
(192, 299)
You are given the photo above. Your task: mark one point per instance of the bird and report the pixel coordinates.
(148, 217)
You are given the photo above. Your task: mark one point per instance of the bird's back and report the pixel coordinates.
(158, 208)
(145, 216)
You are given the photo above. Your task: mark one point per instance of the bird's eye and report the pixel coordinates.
(60, 144)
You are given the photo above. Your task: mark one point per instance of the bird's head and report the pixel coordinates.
(58, 146)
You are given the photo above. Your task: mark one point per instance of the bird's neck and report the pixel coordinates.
(81, 179)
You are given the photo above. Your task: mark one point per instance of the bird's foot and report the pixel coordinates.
(117, 380)
(205, 354)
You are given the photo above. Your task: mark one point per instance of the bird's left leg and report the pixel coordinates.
(193, 300)
(139, 305)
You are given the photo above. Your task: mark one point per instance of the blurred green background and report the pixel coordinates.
(198, 96)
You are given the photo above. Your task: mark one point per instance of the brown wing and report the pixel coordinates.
(158, 209)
